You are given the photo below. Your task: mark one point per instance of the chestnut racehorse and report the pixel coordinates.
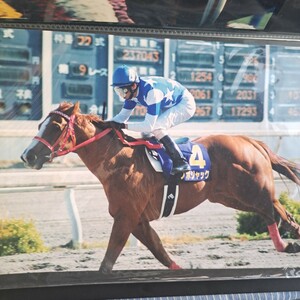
(241, 178)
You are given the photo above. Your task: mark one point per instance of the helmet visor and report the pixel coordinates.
(122, 91)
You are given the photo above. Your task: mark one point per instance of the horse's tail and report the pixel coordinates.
(281, 165)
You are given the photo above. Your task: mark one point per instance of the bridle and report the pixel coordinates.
(69, 132)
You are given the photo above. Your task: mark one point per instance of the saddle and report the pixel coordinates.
(195, 154)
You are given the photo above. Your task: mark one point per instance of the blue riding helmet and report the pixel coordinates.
(125, 76)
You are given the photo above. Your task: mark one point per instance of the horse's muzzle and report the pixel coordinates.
(32, 161)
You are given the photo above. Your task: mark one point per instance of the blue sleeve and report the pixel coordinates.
(128, 104)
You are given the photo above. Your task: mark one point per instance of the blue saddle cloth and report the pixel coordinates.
(195, 154)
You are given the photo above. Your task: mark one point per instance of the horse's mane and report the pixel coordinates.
(82, 119)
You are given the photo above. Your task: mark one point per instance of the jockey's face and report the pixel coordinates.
(123, 91)
(126, 92)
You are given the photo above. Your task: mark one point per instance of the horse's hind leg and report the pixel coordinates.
(261, 197)
(289, 224)
(267, 214)
(274, 233)
(285, 216)
(279, 244)
(288, 221)
(147, 235)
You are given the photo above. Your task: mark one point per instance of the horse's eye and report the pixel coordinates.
(56, 126)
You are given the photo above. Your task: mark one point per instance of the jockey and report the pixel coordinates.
(168, 104)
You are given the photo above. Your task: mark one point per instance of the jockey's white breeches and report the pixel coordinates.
(175, 115)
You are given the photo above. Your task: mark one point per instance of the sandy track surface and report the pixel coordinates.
(187, 237)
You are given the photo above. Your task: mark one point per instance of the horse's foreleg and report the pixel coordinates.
(148, 236)
(122, 227)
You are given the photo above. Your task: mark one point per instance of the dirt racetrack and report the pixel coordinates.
(196, 239)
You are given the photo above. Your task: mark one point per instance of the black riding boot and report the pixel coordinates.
(180, 164)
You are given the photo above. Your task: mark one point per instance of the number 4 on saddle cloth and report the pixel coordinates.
(195, 154)
(198, 158)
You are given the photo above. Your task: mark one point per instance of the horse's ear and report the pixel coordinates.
(71, 109)
(76, 108)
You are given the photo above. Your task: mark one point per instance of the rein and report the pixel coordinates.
(70, 132)
(137, 142)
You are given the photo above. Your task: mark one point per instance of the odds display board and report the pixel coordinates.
(230, 82)
(20, 74)
(80, 69)
(284, 89)
(226, 80)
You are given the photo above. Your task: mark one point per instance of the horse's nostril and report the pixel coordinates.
(28, 157)
(22, 157)
(31, 157)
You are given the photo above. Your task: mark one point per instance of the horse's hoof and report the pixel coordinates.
(105, 270)
(292, 248)
(174, 266)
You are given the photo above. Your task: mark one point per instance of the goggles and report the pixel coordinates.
(122, 91)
